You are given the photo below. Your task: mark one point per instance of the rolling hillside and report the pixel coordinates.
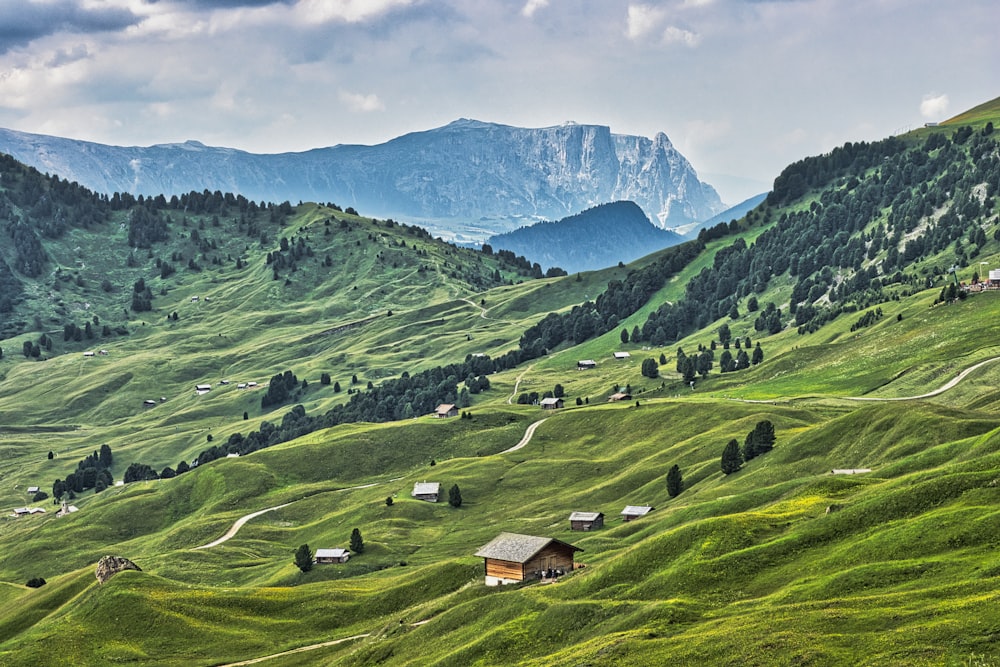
(846, 277)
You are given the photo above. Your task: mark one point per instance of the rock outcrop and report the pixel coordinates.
(109, 566)
(490, 176)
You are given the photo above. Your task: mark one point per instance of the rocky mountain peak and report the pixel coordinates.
(468, 172)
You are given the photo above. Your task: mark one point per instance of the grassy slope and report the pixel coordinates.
(779, 563)
(977, 116)
(246, 327)
(712, 573)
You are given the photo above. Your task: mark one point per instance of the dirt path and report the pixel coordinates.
(528, 433)
(235, 528)
(483, 311)
(301, 649)
(517, 383)
(940, 390)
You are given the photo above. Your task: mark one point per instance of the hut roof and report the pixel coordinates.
(518, 548)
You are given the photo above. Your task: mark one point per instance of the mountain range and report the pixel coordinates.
(468, 177)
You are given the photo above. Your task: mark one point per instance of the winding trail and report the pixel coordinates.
(301, 649)
(313, 647)
(528, 433)
(483, 310)
(235, 528)
(517, 383)
(940, 390)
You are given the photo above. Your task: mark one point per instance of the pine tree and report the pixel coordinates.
(731, 459)
(750, 447)
(764, 436)
(726, 362)
(105, 457)
(357, 542)
(675, 482)
(304, 558)
(759, 441)
(455, 496)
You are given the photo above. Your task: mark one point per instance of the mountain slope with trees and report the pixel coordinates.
(601, 236)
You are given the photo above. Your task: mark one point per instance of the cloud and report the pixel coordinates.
(934, 106)
(643, 19)
(532, 6)
(23, 22)
(231, 4)
(673, 34)
(646, 20)
(68, 56)
(348, 11)
(360, 102)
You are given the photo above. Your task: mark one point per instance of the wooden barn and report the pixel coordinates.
(446, 410)
(586, 364)
(632, 512)
(586, 520)
(325, 556)
(428, 491)
(512, 557)
(552, 403)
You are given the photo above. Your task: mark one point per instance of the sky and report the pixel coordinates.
(741, 87)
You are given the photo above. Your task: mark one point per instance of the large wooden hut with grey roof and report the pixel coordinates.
(512, 557)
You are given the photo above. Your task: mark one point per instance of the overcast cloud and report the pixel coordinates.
(741, 87)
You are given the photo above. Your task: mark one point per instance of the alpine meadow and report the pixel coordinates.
(294, 427)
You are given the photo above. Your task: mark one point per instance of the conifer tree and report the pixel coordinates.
(304, 558)
(731, 459)
(675, 482)
(357, 542)
(455, 496)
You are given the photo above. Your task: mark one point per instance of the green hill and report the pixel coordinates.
(846, 277)
(978, 116)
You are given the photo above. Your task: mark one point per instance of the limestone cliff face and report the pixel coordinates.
(467, 172)
(109, 566)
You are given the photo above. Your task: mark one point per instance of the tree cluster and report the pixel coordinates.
(869, 318)
(92, 472)
(758, 441)
(281, 387)
(826, 247)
